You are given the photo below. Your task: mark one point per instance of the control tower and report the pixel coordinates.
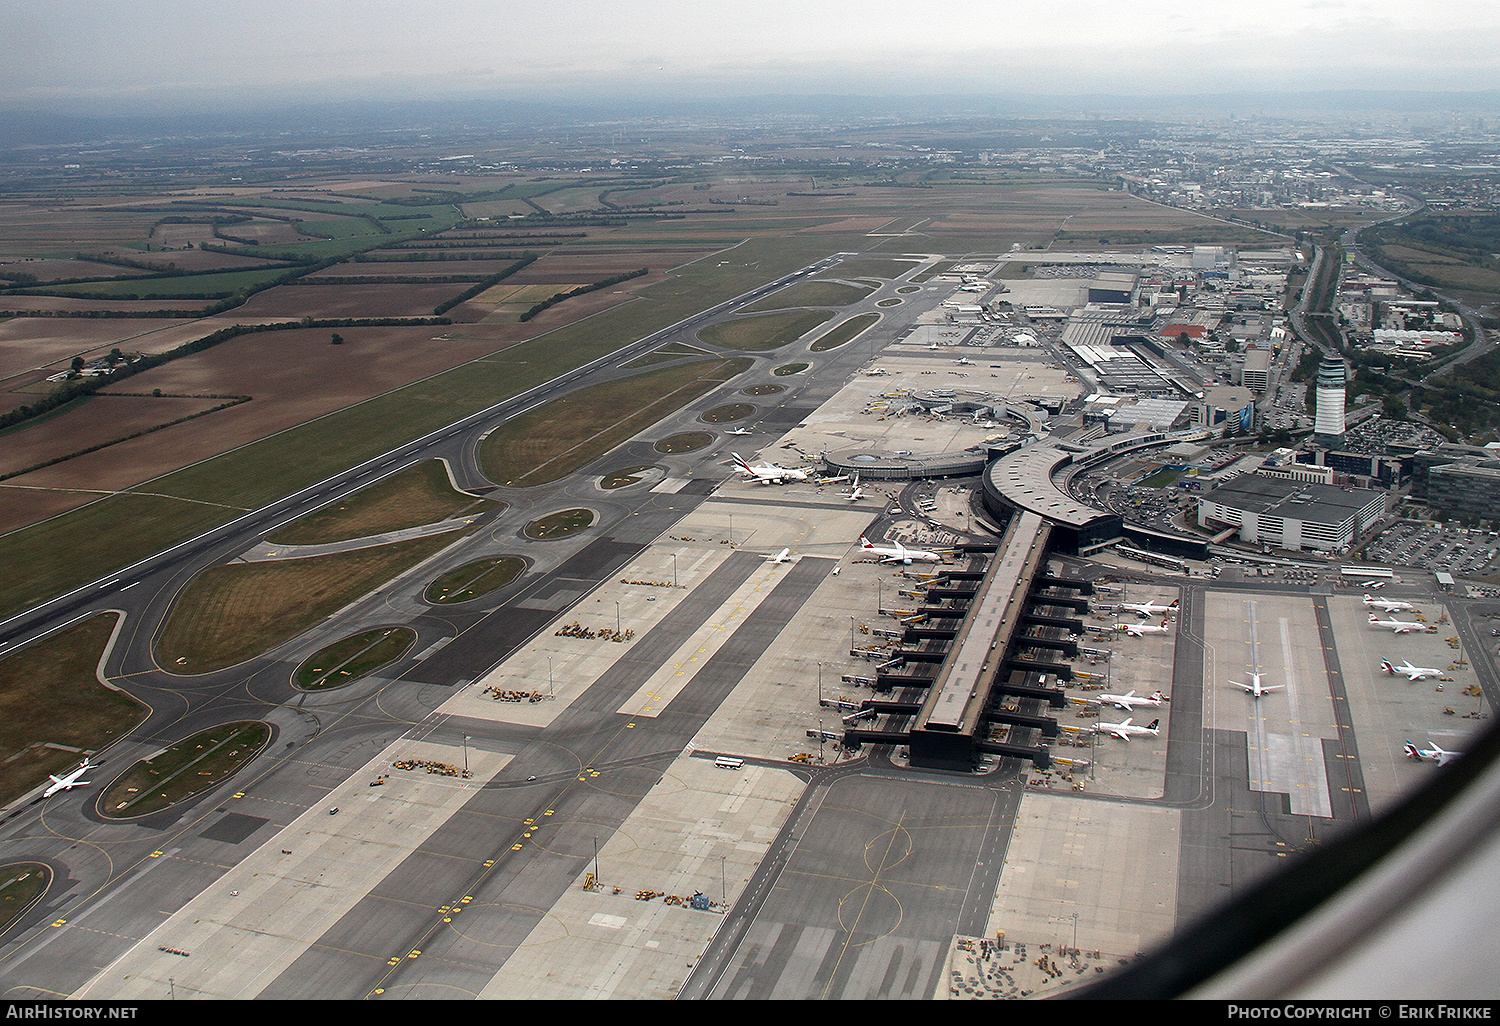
(1328, 427)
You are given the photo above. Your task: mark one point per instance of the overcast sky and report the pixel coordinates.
(92, 54)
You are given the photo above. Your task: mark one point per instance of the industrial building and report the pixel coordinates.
(1112, 287)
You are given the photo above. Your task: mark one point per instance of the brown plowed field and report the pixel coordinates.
(58, 270)
(294, 376)
(21, 505)
(68, 303)
(348, 300)
(411, 269)
(591, 266)
(181, 234)
(198, 260)
(103, 418)
(48, 343)
(569, 310)
(265, 233)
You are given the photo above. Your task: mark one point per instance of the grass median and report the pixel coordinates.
(53, 708)
(563, 435)
(420, 494)
(228, 614)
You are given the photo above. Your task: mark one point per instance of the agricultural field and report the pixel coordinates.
(291, 376)
(316, 408)
(94, 421)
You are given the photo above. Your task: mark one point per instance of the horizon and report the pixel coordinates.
(156, 56)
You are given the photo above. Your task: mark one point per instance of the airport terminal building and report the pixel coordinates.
(1292, 515)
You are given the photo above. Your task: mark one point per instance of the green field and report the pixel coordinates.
(561, 436)
(183, 286)
(346, 661)
(420, 494)
(472, 580)
(763, 331)
(560, 524)
(843, 333)
(686, 441)
(811, 293)
(20, 884)
(50, 696)
(228, 614)
(184, 769)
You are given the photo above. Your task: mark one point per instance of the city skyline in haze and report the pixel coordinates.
(161, 55)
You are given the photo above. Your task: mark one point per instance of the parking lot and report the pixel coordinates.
(1461, 551)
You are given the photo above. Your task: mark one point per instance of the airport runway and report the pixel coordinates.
(110, 875)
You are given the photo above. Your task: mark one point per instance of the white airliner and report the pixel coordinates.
(1255, 687)
(768, 473)
(855, 492)
(1129, 700)
(740, 431)
(963, 361)
(68, 781)
(1136, 630)
(1412, 672)
(1388, 605)
(1123, 731)
(1399, 626)
(1436, 753)
(899, 553)
(1145, 609)
(784, 556)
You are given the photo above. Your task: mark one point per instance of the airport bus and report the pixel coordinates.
(1364, 573)
(1154, 558)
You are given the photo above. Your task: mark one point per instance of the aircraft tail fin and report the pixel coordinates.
(1153, 725)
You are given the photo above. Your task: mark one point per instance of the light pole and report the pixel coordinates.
(549, 677)
(466, 755)
(674, 569)
(617, 618)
